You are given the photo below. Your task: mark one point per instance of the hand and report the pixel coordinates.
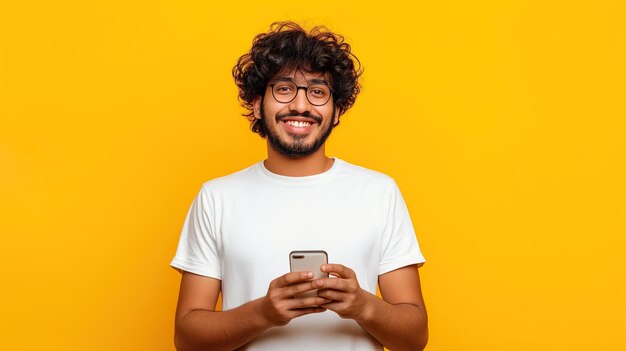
(348, 299)
(279, 305)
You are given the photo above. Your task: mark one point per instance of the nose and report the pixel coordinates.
(300, 103)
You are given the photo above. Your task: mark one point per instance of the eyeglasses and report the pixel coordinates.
(286, 91)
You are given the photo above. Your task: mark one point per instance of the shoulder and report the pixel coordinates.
(231, 181)
(358, 173)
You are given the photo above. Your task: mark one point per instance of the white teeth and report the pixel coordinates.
(299, 124)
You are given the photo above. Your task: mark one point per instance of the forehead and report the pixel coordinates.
(301, 76)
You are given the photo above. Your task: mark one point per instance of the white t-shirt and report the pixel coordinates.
(241, 228)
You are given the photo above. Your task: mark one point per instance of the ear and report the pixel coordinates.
(337, 114)
(256, 103)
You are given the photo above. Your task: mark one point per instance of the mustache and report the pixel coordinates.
(306, 114)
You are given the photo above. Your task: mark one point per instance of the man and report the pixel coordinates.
(241, 228)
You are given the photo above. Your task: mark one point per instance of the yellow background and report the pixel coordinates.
(502, 122)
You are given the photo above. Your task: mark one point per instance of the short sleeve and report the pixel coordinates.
(198, 246)
(399, 247)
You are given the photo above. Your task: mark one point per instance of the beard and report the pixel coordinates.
(297, 147)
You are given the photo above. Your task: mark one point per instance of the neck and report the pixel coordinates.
(312, 164)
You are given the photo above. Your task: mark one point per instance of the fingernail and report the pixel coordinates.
(309, 274)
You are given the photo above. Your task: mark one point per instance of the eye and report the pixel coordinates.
(318, 91)
(283, 88)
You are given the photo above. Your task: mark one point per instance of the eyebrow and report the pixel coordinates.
(318, 81)
(310, 81)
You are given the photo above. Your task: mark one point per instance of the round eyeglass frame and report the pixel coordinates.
(306, 93)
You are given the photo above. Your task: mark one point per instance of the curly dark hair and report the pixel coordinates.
(288, 46)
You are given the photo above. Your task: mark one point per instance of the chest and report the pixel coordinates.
(264, 229)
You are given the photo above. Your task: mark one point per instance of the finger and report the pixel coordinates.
(341, 270)
(331, 295)
(291, 278)
(346, 285)
(295, 289)
(305, 302)
(336, 307)
(302, 311)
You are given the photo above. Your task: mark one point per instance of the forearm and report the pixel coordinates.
(398, 327)
(228, 330)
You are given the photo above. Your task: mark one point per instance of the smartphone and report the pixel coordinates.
(308, 261)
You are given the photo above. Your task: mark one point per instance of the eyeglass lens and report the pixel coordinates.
(317, 94)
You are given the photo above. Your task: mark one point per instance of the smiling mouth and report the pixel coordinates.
(299, 118)
(298, 124)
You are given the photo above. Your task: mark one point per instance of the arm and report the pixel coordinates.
(399, 322)
(199, 326)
